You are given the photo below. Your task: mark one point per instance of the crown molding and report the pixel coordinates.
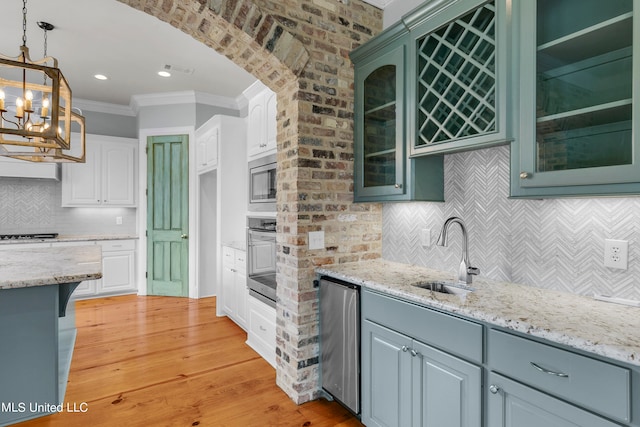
(183, 97)
(102, 107)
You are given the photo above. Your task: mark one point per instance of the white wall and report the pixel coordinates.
(397, 9)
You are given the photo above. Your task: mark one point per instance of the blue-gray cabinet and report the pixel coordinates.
(534, 384)
(458, 93)
(407, 382)
(383, 170)
(578, 113)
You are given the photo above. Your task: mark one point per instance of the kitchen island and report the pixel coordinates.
(38, 330)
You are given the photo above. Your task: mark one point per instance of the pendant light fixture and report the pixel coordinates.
(36, 117)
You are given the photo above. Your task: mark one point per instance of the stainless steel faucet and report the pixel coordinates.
(465, 271)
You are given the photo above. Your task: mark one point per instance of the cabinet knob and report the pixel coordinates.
(398, 186)
(415, 353)
(405, 348)
(494, 389)
(525, 175)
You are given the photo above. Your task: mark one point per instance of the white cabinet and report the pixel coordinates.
(234, 285)
(107, 178)
(262, 330)
(207, 140)
(262, 125)
(118, 269)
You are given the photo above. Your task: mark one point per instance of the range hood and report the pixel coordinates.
(13, 168)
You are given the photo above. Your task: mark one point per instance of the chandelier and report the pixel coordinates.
(36, 117)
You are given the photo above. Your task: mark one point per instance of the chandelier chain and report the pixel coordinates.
(24, 23)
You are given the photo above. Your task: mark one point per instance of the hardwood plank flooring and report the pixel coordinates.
(163, 361)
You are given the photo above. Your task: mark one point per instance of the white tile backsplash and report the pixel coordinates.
(553, 243)
(34, 206)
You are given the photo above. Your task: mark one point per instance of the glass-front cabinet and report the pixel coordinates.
(383, 171)
(578, 110)
(458, 91)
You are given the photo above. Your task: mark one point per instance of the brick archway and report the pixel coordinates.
(299, 48)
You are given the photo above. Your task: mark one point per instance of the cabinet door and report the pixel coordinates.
(208, 150)
(511, 404)
(256, 133)
(228, 290)
(117, 272)
(118, 174)
(379, 125)
(241, 296)
(271, 120)
(578, 102)
(386, 377)
(457, 96)
(81, 182)
(448, 390)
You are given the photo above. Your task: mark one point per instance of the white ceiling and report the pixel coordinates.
(128, 46)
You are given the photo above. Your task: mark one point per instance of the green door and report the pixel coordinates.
(167, 215)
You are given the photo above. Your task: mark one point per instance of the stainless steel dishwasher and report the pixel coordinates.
(340, 341)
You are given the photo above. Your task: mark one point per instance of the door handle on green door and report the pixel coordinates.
(184, 236)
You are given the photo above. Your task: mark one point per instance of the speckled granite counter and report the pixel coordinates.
(23, 268)
(606, 329)
(71, 238)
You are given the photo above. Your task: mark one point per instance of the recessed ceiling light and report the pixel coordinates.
(100, 77)
(164, 74)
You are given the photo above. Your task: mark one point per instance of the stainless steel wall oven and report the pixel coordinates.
(261, 258)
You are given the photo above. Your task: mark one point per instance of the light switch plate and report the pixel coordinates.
(316, 240)
(425, 237)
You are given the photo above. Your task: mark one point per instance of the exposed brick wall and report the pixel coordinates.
(300, 50)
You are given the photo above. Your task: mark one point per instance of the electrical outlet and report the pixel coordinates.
(425, 237)
(616, 253)
(118, 220)
(316, 240)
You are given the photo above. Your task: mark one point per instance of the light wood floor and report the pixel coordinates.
(162, 361)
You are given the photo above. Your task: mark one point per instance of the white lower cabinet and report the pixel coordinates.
(118, 270)
(262, 330)
(234, 285)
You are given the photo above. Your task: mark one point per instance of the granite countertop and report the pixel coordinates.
(24, 268)
(71, 238)
(603, 328)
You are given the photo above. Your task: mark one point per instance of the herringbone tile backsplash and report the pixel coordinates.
(553, 243)
(34, 206)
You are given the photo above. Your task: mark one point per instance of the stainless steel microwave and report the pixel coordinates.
(262, 184)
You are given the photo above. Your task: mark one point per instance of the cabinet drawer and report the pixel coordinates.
(591, 383)
(262, 327)
(241, 259)
(452, 334)
(117, 245)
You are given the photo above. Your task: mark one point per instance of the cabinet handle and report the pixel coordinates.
(398, 186)
(262, 328)
(546, 371)
(405, 348)
(525, 175)
(415, 353)
(494, 389)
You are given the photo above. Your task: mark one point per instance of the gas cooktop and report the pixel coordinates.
(27, 236)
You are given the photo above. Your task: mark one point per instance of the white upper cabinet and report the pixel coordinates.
(262, 126)
(107, 178)
(207, 140)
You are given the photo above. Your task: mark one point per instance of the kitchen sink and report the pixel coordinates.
(445, 287)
